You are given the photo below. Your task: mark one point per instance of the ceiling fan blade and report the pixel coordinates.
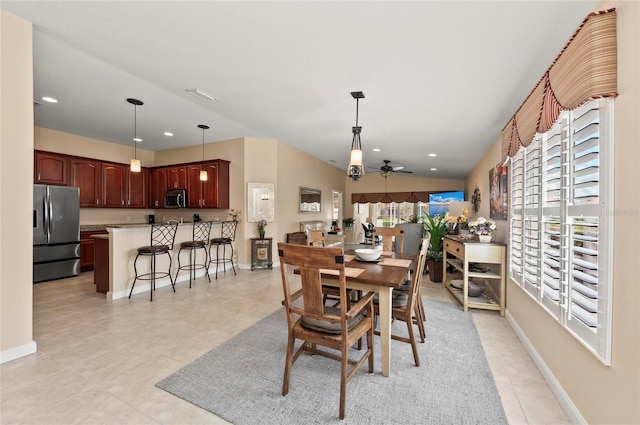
(404, 171)
(398, 168)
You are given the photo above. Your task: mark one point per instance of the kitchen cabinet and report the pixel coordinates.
(177, 177)
(261, 253)
(137, 195)
(480, 261)
(51, 168)
(158, 186)
(114, 185)
(101, 273)
(212, 193)
(87, 249)
(86, 174)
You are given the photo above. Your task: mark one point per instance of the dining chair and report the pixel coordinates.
(405, 306)
(199, 238)
(316, 238)
(388, 234)
(322, 328)
(162, 239)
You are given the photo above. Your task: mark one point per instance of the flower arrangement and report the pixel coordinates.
(262, 224)
(464, 217)
(482, 226)
(234, 214)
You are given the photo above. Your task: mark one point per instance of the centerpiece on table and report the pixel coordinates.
(484, 228)
(261, 225)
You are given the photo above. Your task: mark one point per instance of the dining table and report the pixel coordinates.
(382, 276)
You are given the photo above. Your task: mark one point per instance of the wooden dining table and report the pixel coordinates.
(381, 277)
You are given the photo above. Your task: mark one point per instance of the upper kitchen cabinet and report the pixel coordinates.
(86, 174)
(158, 177)
(114, 185)
(51, 168)
(177, 177)
(138, 189)
(212, 193)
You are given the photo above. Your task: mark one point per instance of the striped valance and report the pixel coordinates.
(387, 197)
(585, 69)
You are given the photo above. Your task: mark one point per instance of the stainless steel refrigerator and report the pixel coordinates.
(56, 232)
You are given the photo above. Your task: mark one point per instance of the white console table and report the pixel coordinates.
(488, 256)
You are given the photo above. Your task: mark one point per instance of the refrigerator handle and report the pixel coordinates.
(45, 222)
(50, 219)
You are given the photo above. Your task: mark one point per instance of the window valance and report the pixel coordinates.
(387, 197)
(585, 69)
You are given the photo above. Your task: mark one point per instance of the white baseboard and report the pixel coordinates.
(563, 398)
(17, 352)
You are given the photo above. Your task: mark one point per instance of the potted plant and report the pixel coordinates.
(348, 222)
(437, 228)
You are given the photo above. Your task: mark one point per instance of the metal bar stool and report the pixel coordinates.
(227, 236)
(201, 231)
(162, 238)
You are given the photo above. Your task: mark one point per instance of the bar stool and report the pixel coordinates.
(227, 236)
(201, 231)
(162, 238)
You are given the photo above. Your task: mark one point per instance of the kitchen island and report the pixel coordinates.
(124, 240)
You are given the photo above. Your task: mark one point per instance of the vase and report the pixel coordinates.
(261, 234)
(484, 238)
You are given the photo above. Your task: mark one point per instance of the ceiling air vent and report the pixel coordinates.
(201, 94)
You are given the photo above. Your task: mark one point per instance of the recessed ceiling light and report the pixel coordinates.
(433, 154)
(433, 169)
(376, 150)
(137, 139)
(50, 99)
(168, 133)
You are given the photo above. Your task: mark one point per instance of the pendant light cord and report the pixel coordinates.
(135, 131)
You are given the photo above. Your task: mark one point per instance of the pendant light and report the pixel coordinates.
(203, 173)
(135, 162)
(355, 169)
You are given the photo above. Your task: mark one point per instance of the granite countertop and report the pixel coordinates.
(101, 227)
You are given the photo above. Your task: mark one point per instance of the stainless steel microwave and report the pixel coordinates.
(175, 198)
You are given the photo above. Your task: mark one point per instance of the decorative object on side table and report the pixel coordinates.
(474, 290)
(261, 225)
(348, 222)
(234, 214)
(484, 228)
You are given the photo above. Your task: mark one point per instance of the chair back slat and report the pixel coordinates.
(228, 229)
(316, 238)
(388, 234)
(201, 231)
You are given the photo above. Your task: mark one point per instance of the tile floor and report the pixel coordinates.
(98, 361)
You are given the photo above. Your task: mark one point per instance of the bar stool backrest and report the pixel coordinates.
(228, 230)
(163, 234)
(201, 231)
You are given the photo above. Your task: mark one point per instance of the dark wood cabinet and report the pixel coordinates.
(212, 193)
(114, 185)
(261, 253)
(158, 186)
(51, 168)
(101, 273)
(86, 174)
(87, 249)
(138, 189)
(177, 177)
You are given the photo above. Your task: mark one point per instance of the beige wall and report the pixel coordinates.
(16, 190)
(601, 394)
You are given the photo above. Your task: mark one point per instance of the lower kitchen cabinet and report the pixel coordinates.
(87, 249)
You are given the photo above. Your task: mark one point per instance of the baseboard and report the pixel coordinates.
(563, 398)
(17, 352)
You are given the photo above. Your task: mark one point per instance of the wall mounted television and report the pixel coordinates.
(439, 202)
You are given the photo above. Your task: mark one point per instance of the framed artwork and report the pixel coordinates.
(498, 192)
(310, 200)
(260, 202)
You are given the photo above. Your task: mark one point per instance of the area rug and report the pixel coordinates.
(241, 380)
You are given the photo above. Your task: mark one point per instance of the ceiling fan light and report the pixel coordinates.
(135, 166)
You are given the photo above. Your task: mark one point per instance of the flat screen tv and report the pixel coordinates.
(439, 202)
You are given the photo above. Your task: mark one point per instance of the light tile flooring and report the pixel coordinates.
(98, 361)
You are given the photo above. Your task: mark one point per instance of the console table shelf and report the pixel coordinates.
(488, 257)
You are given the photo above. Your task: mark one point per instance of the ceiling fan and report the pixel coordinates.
(386, 169)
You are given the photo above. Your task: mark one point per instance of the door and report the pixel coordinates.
(137, 194)
(177, 177)
(194, 189)
(85, 174)
(158, 187)
(64, 206)
(114, 185)
(210, 187)
(39, 223)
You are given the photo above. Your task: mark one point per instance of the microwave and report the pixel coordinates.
(175, 198)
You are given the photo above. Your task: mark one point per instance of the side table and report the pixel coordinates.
(261, 253)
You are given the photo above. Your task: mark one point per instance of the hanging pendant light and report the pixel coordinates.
(355, 169)
(203, 173)
(135, 162)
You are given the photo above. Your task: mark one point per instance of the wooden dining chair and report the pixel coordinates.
(405, 306)
(316, 238)
(317, 325)
(388, 234)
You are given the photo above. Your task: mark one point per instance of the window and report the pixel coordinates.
(560, 239)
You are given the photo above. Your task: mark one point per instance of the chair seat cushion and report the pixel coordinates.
(153, 249)
(398, 299)
(406, 286)
(220, 240)
(328, 327)
(192, 244)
